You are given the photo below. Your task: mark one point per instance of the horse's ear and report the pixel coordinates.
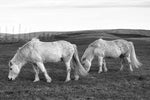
(9, 63)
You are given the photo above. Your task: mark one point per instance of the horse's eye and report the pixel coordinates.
(83, 64)
(10, 63)
(83, 59)
(10, 68)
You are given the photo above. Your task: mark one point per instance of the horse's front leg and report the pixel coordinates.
(100, 61)
(129, 62)
(36, 69)
(42, 67)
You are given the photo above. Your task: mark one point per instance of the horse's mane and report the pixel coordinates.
(91, 46)
(88, 51)
(95, 43)
(26, 49)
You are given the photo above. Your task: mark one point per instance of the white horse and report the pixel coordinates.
(110, 49)
(38, 52)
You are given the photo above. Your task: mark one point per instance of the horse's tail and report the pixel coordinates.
(134, 61)
(76, 62)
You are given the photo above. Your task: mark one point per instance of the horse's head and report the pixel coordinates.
(15, 65)
(87, 58)
(19, 59)
(86, 64)
(14, 70)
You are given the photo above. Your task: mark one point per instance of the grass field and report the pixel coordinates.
(113, 85)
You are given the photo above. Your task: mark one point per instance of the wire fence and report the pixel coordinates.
(11, 38)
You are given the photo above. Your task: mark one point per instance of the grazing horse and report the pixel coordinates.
(110, 49)
(38, 52)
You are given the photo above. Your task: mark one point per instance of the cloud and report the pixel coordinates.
(74, 3)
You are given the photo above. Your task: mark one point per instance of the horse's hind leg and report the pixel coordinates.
(36, 69)
(122, 61)
(68, 68)
(76, 74)
(100, 61)
(129, 61)
(42, 67)
(104, 63)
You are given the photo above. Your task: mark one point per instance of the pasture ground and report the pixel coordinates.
(113, 85)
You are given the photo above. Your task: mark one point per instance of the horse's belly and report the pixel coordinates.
(51, 55)
(52, 58)
(112, 53)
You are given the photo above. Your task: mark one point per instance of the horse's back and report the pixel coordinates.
(112, 48)
(124, 45)
(56, 50)
(97, 43)
(103, 44)
(67, 47)
(47, 51)
(108, 44)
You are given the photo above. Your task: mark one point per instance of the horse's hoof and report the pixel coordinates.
(105, 70)
(35, 80)
(131, 70)
(121, 69)
(76, 78)
(99, 72)
(49, 81)
(67, 80)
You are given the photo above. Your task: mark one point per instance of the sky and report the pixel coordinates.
(23, 16)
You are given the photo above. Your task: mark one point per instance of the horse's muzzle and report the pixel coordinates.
(10, 79)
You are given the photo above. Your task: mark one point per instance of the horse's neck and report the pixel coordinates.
(19, 60)
(90, 54)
